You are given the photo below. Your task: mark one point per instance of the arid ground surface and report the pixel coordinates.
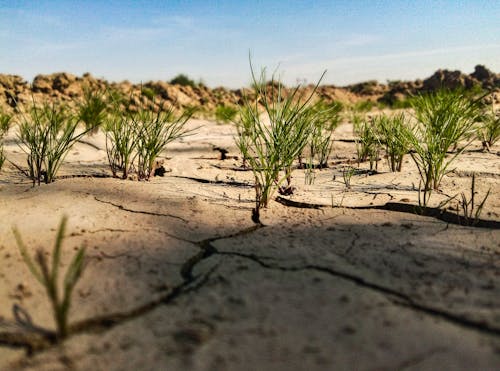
(179, 277)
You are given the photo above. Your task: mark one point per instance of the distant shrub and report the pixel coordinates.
(92, 110)
(183, 80)
(225, 114)
(148, 93)
(364, 106)
(401, 103)
(4, 127)
(365, 88)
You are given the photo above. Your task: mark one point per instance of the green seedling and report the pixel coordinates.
(444, 118)
(347, 173)
(269, 144)
(489, 129)
(368, 144)
(121, 143)
(155, 131)
(134, 139)
(92, 110)
(48, 276)
(471, 212)
(392, 132)
(47, 134)
(326, 118)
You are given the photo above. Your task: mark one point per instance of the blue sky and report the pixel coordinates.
(210, 40)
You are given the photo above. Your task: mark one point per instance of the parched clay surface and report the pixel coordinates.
(180, 278)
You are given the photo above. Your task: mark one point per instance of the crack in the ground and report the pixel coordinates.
(34, 342)
(89, 144)
(418, 359)
(353, 242)
(101, 230)
(90, 175)
(432, 212)
(121, 207)
(38, 341)
(207, 181)
(399, 298)
(470, 173)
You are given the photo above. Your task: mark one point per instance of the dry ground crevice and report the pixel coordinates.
(433, 212)
(121, 207)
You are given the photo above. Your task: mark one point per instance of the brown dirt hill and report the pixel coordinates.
(69, 88)
(481, 78)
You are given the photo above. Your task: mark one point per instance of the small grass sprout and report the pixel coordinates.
(368, 144)
(47, 133)
(326, 118)
(121, 143)
(271, 143)
(92, 110)
(48, 276)
(489, 129)
(392, 132)
(470, 210)
(347, 173)
(444, 118)
(134, 139)
(155, 131)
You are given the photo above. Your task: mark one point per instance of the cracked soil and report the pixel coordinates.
(179, 277)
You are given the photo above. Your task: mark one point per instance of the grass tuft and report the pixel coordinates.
(368, 144)
(134, 139)
(92, 110)
(269, 144)
(47, 133)
(392, 133)
(470, 210)
(325, 118)
(444, 119)
(489, 129)
(48, 276)
(225, 114)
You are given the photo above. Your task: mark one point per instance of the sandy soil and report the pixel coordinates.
(179, 277)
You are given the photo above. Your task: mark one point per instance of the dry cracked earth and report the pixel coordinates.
(178, 277)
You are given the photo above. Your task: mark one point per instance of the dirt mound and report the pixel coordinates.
(481, 78)
(69, 88)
